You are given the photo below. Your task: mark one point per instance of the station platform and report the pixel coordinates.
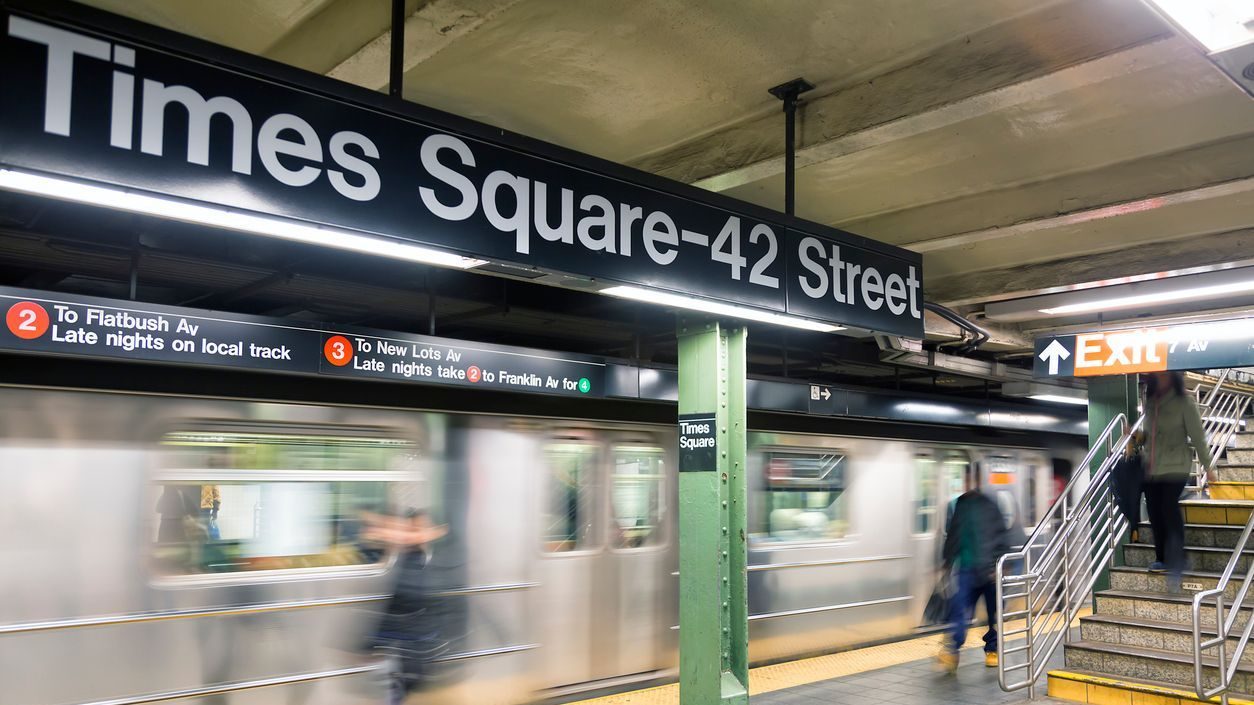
(904, 672)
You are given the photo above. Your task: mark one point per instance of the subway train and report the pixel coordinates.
(120, 584)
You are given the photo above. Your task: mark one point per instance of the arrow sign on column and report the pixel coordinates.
(1053, 354)
(827, 394)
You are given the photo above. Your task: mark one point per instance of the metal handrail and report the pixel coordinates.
(1061, 561)
(1223, 414)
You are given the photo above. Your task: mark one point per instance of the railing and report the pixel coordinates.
(1222, 411)
(1226, 667)
(1059, 563)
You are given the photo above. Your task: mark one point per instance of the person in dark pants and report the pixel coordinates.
(975, 538)
(1172, 424)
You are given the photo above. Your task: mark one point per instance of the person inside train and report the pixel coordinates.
(1172, 425)
(210, 503)
(975, 537)
(406, 632)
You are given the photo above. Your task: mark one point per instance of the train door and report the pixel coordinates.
(603, 555)
(938, 481)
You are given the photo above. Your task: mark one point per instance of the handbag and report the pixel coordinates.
(937, 609)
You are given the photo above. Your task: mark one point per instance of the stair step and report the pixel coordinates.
(1149, 633)
(1196, 558)
(1138, 579)
(1230, 512)
(1160, 607)
(1125, 661)
(1235, 472)
(1240, 456)
(1243, 439)
(1080, 686)
(1199, 535)
(1229, 489)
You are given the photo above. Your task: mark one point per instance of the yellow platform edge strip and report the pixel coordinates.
(1085, 688)
(766, 679)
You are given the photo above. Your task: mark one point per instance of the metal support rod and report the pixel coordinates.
(788, 92)
(396, 65)
(713, 556)
(134, 289)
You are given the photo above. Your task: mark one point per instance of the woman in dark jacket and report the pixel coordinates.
(1172, 425)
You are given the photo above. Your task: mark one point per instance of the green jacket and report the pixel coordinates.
(1172, 424)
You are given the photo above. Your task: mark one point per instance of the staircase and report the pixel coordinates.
(1137, 648)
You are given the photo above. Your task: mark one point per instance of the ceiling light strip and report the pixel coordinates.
(691, 303)
(217, 217)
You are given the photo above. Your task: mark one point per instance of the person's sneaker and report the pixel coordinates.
(1157, 567)
(948, 660)
(990, 659)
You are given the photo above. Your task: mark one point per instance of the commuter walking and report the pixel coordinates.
(975, 538)
(1172, 424)
(406, 631)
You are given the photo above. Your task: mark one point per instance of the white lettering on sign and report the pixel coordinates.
(281, 134)
(846, 280)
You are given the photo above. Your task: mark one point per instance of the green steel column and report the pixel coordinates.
(713, 605)
(1109, 396)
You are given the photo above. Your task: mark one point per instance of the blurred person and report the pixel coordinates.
(1172, 424)
(975, 537)
(210, 502)
(406, 630)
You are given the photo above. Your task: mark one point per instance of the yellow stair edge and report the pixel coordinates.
(1231, 489)
(1103, 690)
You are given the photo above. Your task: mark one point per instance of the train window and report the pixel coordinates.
(804, 497)
(925, 494)
(235, 502)
(571, 496)
(638, 496)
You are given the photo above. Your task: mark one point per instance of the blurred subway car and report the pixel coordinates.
(156, 547)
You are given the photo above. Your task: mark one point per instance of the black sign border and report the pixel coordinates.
(97, 22)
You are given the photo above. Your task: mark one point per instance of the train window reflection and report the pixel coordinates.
(245, 502)
(924, 494)
(568, 511)
(804, 497)
(638, 496)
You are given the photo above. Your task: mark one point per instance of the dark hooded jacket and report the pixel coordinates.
(976, 535)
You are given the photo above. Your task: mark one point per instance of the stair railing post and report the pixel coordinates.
(1066, 570)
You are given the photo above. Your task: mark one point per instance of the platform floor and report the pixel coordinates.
(902, 672)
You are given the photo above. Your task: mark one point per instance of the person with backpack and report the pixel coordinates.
(975, 537)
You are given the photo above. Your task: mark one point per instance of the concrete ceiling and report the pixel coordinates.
(1021, 145)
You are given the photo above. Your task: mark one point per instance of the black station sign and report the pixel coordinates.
(92, 97)
(698, 443)
(60, 324)
(1190, 346)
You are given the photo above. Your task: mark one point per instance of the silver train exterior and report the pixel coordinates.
(558, 574)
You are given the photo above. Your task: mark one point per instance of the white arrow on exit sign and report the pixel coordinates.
(1053, 353)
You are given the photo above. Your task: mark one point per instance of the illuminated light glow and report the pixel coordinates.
(1000, 417)
(1059, 399)
(213, 216)
(1215, 24)
(1201, 292)
(924, 408)
(690, 303)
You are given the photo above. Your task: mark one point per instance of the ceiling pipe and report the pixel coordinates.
(979, 336)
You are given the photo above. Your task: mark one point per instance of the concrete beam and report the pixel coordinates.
(1031, 56)
(429, 30)
(1235, 248)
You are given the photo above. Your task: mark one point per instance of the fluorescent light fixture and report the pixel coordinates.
(716, 308)
(1045, 392)
(923, 408)
(218, 217)
(1060, 399)
(1158, 297)
(1215, 24)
